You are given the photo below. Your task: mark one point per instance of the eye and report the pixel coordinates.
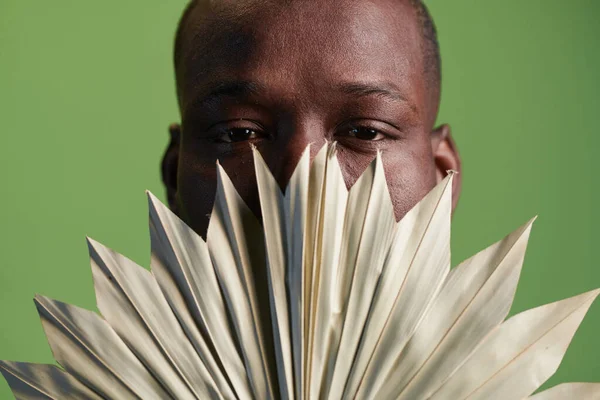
(236, 131)
(363, 133)
(236, 135)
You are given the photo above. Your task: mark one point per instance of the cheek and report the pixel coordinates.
(409, 170)
(410, 177)
(196, 188)
(353, 164)
(197, 183)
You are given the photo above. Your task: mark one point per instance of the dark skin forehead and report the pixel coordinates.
(221, 36)
(296, 73)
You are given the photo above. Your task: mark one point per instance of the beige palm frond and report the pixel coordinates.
(328, 298)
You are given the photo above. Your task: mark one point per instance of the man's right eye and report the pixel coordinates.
(238, 130)
(232, 135)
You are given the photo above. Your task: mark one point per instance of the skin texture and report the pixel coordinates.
(284, 74)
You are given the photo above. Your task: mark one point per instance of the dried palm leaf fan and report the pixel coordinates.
(352, 305)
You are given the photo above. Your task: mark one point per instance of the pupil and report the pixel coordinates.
(364, 133)
(239, 134)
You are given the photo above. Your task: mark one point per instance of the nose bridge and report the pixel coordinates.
(293, 137)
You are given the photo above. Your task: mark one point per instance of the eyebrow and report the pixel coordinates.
(386, 90)
(230, 89)
(241, 88)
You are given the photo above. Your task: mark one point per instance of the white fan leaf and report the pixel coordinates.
(88, 348)
(316, 185)
(182, 266)
(476, 298)
(328, 298)
(272, 208)
(413, 273)
(236, 244)
(520, 355)
(43, 382)
(569, 391)
(326, 324)
(132, 303)
(296, 215)
(369, 228)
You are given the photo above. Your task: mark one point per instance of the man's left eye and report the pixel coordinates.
(364, 133)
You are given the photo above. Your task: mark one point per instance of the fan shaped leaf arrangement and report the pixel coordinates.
(328, 298)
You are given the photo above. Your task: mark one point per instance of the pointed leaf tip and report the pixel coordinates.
(257, 157)
(594, 293)
(332, 149)
(151, 197)
(91, 242)
(221, 173)
(38, 298)
(307, 148)
(527, 225)
(379, 156)
(155, 205)
(94, 245)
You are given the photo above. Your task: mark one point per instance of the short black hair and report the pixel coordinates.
(431, 47)
(433, 60)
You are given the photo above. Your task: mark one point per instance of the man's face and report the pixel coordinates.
(281, 77)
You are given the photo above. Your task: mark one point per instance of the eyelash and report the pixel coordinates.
(370, 130)
(222, 130)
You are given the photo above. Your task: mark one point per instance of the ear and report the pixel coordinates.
(446, 157)
(169, 165)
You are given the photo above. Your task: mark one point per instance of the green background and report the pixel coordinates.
(86, 95)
